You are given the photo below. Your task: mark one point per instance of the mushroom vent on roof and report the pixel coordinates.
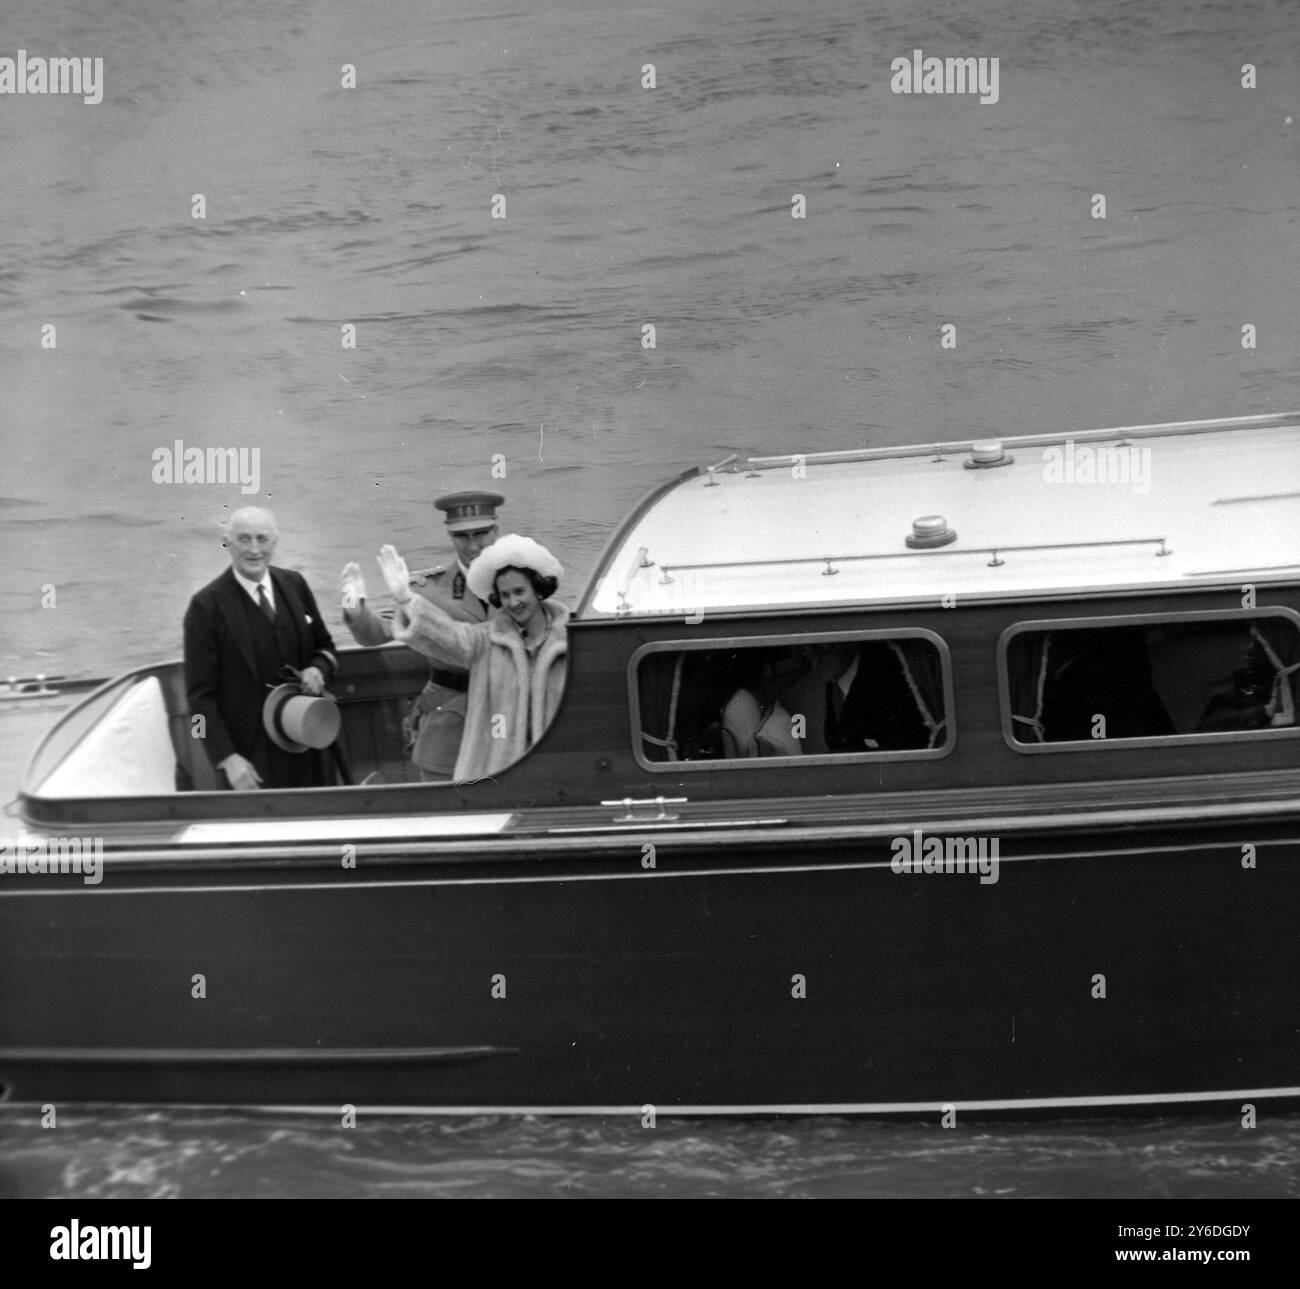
(928, 532)
(987, 453)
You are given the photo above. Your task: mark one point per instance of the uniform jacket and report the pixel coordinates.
(503, 680)
(227, 677)
(441, 708)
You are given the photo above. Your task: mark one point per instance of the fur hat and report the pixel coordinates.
(507, 552)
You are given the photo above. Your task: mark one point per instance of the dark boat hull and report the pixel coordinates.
(1104, 966)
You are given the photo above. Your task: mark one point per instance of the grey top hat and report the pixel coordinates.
(296, 721)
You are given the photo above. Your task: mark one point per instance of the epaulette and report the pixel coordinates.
(423, 575)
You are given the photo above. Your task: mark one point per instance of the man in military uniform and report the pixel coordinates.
(437, 716)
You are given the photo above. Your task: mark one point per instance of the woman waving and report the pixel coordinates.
(516, 659)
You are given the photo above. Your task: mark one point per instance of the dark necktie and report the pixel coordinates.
(831, 729)
(264, 604)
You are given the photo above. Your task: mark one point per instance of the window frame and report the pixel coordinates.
(718, 643)
(1131, 620)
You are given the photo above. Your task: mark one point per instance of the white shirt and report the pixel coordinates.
(251, 588)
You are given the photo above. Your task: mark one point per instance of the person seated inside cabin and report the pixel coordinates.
(1104, 673)
(776, 710)
(853, 697)
(777, 687)
(752, 722)
(754, 728)
(868, 705)
(1244, 702)
(693, 687)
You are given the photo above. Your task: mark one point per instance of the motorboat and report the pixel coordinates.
(958, 776)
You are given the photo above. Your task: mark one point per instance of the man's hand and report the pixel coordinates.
(313, 680)
(239, 770)
(352, 588)
(396, 575)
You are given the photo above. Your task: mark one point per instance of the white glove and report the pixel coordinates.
(396, 575)
(312, 680)
(239, 770)
(352, 588)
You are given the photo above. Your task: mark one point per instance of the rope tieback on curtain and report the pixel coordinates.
(1281, 703)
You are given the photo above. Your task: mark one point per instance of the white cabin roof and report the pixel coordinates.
(1191, 503)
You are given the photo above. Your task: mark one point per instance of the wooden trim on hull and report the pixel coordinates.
(566, 834)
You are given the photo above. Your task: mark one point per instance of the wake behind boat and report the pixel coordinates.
(884, 780)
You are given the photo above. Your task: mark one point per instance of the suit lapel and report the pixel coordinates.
(287, 595)
(229, 595)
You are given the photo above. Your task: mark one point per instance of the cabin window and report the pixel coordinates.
(829, 696)
(1113, 680)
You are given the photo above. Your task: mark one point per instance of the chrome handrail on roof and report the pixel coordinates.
(995, 551)
(1167, 428)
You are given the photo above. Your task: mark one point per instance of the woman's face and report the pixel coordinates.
(518, 598)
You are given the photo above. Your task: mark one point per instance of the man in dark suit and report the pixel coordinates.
(241, 631)
(870, 706)
(437, 719)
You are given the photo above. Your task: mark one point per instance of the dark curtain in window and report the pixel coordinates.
(659, 681)
(1027, 662)
(923, 671)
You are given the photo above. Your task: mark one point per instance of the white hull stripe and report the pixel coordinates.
(357, 827)
(662, 1110)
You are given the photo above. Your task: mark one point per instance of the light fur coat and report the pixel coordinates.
(503, 681)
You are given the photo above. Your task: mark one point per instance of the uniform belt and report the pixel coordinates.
(449, 679)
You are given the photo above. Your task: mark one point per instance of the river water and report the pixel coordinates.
(516, 346)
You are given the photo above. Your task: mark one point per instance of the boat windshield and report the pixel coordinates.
(72, 729)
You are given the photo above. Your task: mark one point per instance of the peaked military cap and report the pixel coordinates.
(469, 510)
